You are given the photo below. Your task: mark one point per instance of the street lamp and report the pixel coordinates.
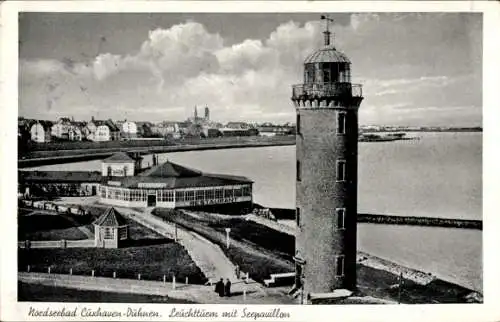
(228, 230)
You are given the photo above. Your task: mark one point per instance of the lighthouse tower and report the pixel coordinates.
(327, 159)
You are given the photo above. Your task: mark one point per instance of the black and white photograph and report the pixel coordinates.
(282, 158)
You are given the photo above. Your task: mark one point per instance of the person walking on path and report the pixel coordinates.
(219, 287)
(227, 288)
(237, 271)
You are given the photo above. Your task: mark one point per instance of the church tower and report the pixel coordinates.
(327, 160)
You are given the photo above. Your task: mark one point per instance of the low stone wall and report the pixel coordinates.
(85, 243)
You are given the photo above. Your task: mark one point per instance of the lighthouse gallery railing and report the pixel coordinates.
(326, 89)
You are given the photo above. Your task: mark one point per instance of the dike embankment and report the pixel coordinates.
(48, 157)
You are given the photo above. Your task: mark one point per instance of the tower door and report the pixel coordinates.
(298, 275)
(151, 200)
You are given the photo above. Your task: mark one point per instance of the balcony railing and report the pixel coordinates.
(326, 89)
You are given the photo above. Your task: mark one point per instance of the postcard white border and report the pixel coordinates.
(11, 310)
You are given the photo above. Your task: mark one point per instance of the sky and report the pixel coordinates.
(417, 69)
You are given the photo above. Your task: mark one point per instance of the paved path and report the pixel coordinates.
(189, 292)
(208, 257)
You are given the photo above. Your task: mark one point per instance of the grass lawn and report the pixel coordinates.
(40, 226)
(151, 261)
(251, 257)
(43, 293)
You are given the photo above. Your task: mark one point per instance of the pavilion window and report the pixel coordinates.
(180, 195)
(169, 196)
(228, 193)
(109, 171)
(108, 233)
(200, 195)
(247, 191)
(219, 193)
(238, 192)
(189, 195)
(210, 194)
(122, 233)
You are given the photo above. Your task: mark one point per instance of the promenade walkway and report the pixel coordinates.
(208, 256)
(190, 292)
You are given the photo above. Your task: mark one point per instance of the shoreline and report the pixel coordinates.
(61, 157)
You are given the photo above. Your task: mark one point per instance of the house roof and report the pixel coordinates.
(112, 126)
(327, 54)
(59, 176)
(47, 125)
(65, 120)
(170, 175)
(111, 218)
(119, 157)
(170, 170)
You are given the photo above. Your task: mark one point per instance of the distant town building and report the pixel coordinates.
(166, 129)
(41, 131)
(237, 125)
(111, 229)
(75, 133)
(238, 132)
(274, 130)
(171, 185)
(60, 129)
(128, 129)
(100, 131)
(207, 113)
(144, 129)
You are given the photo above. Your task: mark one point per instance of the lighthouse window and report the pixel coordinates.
(298, 171)
(298, 124)
(341, 174)
(340, 265)
(341, 123)
(297, 216)
(340, 213)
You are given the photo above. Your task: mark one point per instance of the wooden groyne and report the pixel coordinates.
(420, 221)
(283, 213)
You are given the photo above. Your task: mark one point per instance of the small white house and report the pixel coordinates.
(129, 129)
(41, 131)
(75, 134)
(61, 128)
(119, 164)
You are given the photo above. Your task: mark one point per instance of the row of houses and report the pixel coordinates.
(66, 129)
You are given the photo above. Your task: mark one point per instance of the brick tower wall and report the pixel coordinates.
(319, 147)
